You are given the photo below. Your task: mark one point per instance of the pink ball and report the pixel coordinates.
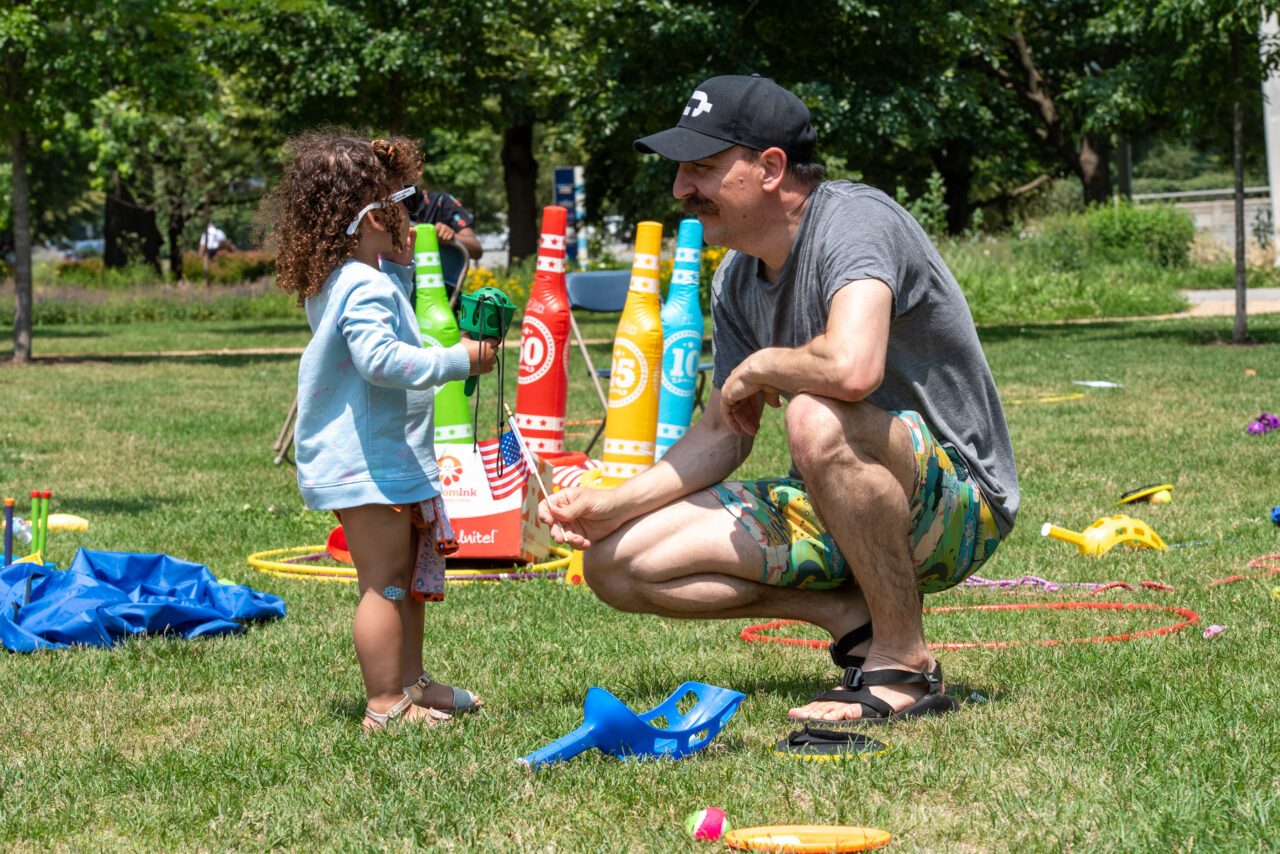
(709, 824)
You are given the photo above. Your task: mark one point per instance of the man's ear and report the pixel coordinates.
(773, 163)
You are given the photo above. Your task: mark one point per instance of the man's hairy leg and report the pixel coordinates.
(693, 560)
(858, 467)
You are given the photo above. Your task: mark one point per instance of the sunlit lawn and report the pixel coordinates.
(251, 741)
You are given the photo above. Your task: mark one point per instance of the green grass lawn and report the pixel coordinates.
(253, 741)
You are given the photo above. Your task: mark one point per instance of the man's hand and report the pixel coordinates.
(742, 401)
(445, 232)
(481, 354)
(580, 517)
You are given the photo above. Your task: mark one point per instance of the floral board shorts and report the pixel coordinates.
(952, 529)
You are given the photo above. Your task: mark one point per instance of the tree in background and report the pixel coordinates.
(895, 97)
(1085, 71)
(177, 166)
(49, 48)
(1219, 66)
(528, 62)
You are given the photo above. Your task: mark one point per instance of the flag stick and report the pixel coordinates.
(528, 458)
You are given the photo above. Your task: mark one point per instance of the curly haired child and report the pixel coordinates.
(365, 426)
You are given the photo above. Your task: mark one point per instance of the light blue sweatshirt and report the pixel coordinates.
(366, 414)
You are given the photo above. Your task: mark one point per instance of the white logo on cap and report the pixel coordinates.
(703, 105)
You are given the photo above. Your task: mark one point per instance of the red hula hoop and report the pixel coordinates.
(753, 634)
(1268, 561)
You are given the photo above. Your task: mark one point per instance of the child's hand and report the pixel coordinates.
(481, 353)
(444, 232)
(403, 257)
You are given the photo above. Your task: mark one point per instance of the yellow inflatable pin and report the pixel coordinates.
(1104, 534)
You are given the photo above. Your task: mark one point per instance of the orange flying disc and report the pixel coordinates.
(804, 838)
(337, 546)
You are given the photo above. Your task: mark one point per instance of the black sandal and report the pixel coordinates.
(812, 744)
(855, 685)
(840, 649)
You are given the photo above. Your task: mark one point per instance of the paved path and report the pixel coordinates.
(1215, 302)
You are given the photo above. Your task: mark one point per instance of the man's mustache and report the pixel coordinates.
(695, 205)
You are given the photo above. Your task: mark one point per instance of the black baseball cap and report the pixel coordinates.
(736, 109)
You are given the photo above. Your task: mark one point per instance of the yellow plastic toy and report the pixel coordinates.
(574, 574)
(68, 522)
(1156, 493)
(1104, 534)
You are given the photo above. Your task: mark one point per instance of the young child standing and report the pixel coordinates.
(365, 428)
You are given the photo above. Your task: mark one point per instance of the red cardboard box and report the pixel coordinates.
(505, 530)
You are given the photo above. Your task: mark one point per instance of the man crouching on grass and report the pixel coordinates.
(903, 479)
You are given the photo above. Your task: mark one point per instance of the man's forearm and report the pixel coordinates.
(815, 368)
(469, 241)
(705, 456)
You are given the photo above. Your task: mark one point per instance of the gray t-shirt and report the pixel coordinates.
(934, 364)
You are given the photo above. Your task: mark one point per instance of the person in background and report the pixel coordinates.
(451, 220)
(213, 242)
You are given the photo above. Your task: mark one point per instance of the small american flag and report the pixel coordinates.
(504, 465)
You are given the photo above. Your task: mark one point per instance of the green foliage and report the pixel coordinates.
(125, 304)
(230, 268)
(1106, 234)
(1161, 233)
(90, 273)
(929, 208)
(1008, 281)
(1174, 166)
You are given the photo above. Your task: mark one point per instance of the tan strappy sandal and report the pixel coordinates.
(397, 713)
(460, 702)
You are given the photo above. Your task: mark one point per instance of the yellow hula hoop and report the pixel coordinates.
(271, 561)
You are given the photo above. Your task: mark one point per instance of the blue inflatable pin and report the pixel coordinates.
(682, 328)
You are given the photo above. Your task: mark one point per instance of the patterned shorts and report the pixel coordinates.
(952, 530)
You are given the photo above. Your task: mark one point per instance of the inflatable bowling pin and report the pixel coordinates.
(439, 329)
(544, 343)
(632, 420)
(682, 327)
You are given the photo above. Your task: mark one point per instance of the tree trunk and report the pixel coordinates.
(1124, 165)
(22, 250)
(1094, 168)
(124, 216)
(1090, 161)
(954, 162)
(520, 174)
(1241, 331)
(176, 223)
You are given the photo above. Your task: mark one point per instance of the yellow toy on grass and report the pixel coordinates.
(1156, 493)
(1100, 537)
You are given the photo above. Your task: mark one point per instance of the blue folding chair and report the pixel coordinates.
(603, 292)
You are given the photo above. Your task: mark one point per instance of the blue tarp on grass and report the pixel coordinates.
(105, 596)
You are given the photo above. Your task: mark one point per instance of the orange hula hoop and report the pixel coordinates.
(1267, 561)
(755, 634)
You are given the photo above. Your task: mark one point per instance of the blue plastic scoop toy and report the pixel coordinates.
(610, 727)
